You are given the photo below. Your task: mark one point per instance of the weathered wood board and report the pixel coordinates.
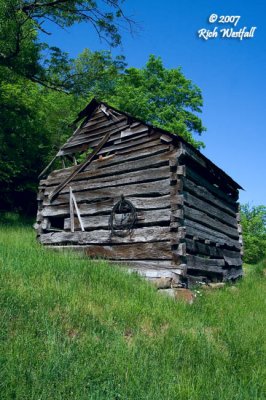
(186, 207)
(140, 235)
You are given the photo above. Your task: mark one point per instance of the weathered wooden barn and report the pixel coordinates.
(143, 197)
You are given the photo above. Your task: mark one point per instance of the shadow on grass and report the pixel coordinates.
(14, 219)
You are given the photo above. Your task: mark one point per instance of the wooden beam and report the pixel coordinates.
(72, 196)
(105, 206)
(140, 176)
(79, 168)
(47, 167)
(100, 169)
(138, 235)
(71, 211)
(144, 218)
(149, 189)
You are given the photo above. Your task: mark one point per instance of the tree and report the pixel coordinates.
(22, 20)
(161, 96)
(35, 121)
(95, 74)
(253, 221)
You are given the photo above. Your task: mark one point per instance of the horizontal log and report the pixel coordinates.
(125, 168)
(105, 206)
(152, 268)
(91, 134)
(133, 251)
(148, 189)
(140, 235)
(209, 209)
(201, 181)
(131, 131)
(92, 139)
(215, 175)
(233, 274)
(204, 194)
(204, 219)
(94, 120)
(82, 135)
(147, 145)
(232, 258)
(202, 232)
(88, 142)
(166, 138)
(116, 161)
(100, 123)
(158, 267)
(130, 146)
(137, 177)
(187, 151)
(154, 217)
(79, 168)
(197, 248)
(205, 264)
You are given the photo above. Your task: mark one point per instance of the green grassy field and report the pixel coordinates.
(75, 329)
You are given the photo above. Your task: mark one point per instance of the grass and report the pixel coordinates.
(75, 329)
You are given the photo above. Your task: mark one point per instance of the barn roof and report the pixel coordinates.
(94, 104)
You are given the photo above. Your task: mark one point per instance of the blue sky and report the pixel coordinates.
(231, 74)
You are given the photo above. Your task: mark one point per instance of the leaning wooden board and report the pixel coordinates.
(186, 207)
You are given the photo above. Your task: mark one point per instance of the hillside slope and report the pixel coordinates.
(77, 329)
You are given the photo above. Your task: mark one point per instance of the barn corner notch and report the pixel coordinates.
(170, 211)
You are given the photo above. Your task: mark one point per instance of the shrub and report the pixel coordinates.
(253, 219)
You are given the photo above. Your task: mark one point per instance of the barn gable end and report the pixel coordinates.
(185, 208)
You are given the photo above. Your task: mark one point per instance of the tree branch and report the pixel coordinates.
(32, 6)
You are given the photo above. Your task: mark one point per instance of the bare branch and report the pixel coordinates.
(32, 6)
(56, 87)
(39, 26)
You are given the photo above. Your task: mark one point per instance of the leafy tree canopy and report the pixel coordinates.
(22, 20)
(34, 120)
(162, 97)
(253, 221)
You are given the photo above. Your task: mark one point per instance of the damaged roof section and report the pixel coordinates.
(100, 118)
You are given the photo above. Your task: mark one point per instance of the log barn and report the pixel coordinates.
(141, 197)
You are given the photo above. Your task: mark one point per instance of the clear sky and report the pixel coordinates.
(230, 72)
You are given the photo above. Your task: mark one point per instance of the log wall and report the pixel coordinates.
(135, 163)
(187, 221)
(212, 243)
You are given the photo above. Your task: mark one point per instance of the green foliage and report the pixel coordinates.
(95, 74)
(76, 329)
(33, 125)
(34, 121)
(162, 97)
(19, 49)
(15, 219)
(253, 221)
(21, 20)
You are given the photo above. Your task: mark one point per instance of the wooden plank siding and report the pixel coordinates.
(211, 229)
(140, 170)
(187, 220)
